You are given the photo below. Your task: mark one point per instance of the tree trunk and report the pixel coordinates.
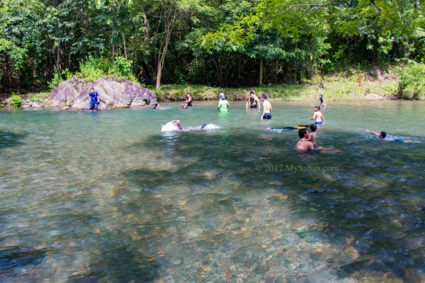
(57, 61)
(161, 56)
(260, 81)
(377, 59)
(9, 71)
(146, 36)
(218, 73)
(123, 45)
(239, 70)
(158, 75)
(113, 52)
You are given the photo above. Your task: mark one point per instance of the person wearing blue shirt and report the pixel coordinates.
(93, 100)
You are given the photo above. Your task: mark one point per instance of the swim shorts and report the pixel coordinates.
(267, 116)
(93, 106)
(318, 123)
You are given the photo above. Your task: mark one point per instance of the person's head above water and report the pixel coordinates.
(264, 96)
(382, 134)
(313, 128)
(203, 126)
(302, 133)
(92, 89)
(317, 108)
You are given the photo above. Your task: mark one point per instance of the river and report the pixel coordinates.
(109, 196)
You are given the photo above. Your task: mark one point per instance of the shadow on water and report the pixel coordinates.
(12, 258)
(9, 139)
(123, 260)
(367, 200)
(120, 249)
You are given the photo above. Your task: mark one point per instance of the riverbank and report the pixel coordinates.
(335, 87)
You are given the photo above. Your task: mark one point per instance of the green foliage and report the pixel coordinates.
(57, 79)
(93, 69)
(336, 86)
(15, 100)
(97, 68)
(40, 97)
(412, 81)
(217, 43)
(121, 68)
(174, 92)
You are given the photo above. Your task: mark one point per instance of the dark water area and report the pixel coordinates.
(110, 197)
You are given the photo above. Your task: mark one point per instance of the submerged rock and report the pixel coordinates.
(113, 94)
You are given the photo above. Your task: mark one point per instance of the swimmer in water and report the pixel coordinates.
(381, 135)
(318, 116)
(267, 108)
(253, 101)
(156, 106)
(181, 128)
(221, 95)
(313, 134)
(304, 144)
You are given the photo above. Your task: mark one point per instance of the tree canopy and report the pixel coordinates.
(220, 43)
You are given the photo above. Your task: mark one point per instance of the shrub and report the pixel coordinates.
(16, 100)
(121, 67)
(92, 69)
(96, 68)
(412, 81)
(58, 79)
(38, 97)
(55, 81)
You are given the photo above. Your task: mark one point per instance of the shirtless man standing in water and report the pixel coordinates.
(267, 113)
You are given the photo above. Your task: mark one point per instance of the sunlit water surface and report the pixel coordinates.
(108, 196)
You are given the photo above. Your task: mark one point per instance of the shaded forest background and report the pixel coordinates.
(236, 43)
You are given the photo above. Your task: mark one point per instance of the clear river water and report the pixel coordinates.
(109, 196)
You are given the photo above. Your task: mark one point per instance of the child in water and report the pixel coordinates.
(305, 144)
(318, 116)
(313, 134)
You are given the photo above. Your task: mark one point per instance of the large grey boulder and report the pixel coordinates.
(113, 94)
